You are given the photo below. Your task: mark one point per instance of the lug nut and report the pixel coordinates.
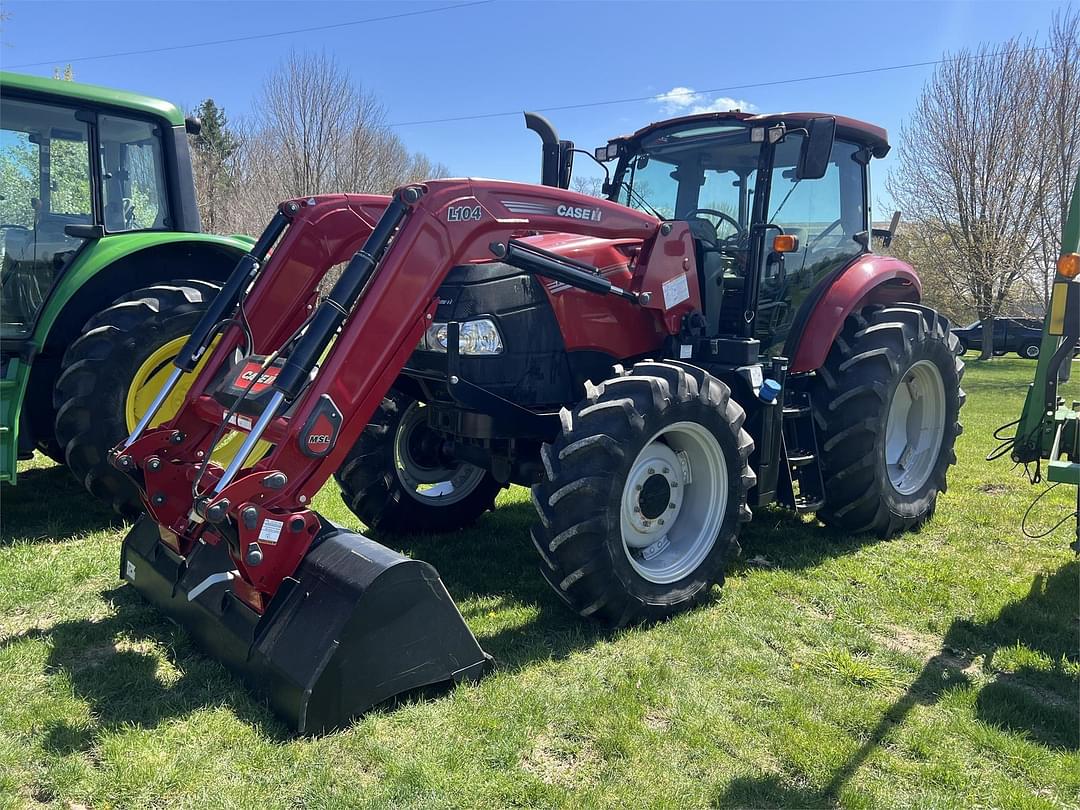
(254, 554)
(124, 462)
(154, 464)
(671, 505)
(249, 515)
(176, 437)
(158, 499)
(652, 471)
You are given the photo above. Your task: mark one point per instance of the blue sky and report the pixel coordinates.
(506, 55)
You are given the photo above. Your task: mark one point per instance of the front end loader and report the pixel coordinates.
(624, 357)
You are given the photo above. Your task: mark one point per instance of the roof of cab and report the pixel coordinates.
(872, 136)
(91, 93)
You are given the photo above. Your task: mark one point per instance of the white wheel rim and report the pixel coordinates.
(1032, 351)
(430, 483)
(915, 427)
(673, 502)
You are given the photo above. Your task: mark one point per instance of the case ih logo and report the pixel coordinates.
(573, 212)
(540, 209)
(250, 372)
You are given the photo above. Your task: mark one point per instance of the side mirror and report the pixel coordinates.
(85, 231)
(816, 148)
(566, 163)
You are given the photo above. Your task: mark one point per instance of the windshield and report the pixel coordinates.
(708, 168)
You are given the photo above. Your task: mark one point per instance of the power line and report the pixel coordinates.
(251, 37)
(728, 89)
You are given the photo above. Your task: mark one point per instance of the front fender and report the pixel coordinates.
(869, 279)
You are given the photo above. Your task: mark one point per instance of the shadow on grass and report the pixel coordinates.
(1038, 703)
(49, 505)
(495, 560)
(114, 665)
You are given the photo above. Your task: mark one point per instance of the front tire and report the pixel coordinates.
(395, 480)
(94, 394)
(887, 406)
(643, 494)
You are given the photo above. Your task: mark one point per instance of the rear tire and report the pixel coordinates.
(630, 443)
(1029, 351)
(886, 427)
(97, 372)
(383, 476)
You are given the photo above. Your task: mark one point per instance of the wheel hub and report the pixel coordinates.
(653, 494)
(673, 502)
(421, 467)
(915, 427)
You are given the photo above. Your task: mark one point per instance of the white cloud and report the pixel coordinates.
(687, 101)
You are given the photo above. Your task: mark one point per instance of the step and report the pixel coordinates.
(796, 410)
(800, 458)
(804, 505)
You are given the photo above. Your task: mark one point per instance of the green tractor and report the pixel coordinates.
(103, 270)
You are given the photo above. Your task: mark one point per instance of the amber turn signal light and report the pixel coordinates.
(785, 243)
(1068, 265)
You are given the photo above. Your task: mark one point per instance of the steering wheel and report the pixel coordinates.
(740, 232)
(822, 235)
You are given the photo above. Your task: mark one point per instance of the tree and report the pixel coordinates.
(593, 186)
(317, 131)
(968, 174)
(987, 163)
(1058, 130)
(213, 158)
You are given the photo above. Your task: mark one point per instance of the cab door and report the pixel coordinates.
(45, 186)
(828, 215)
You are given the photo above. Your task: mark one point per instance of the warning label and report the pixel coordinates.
(676, 291)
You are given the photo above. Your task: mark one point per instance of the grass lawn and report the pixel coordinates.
(938, 669)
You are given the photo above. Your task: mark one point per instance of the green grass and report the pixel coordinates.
(937, 669)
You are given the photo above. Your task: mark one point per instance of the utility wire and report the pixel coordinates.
(696, 93)
(252, 37)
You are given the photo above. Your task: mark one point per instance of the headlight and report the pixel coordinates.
(474, 338)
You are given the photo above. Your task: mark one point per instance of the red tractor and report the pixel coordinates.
(715, 335)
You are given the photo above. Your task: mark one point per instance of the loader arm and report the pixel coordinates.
(353, 346)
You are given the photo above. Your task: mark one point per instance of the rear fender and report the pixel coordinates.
(868, 280)
(100, 273)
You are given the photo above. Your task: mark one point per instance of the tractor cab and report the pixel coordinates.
(775, 203)
(75, 171)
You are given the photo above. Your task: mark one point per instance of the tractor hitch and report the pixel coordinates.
(357, 626)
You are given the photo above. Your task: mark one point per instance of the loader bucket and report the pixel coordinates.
(357, 626)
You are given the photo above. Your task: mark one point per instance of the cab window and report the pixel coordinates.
(44, 187)
(133, 184)
(829, 217)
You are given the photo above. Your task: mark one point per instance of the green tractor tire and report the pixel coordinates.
(112, 372)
